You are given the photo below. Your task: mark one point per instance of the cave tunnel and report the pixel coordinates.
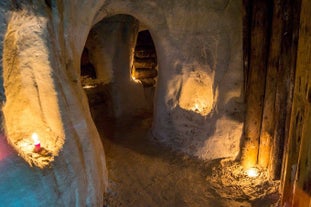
(119, 72)
(133, 84)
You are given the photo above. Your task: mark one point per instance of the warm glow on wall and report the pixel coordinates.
(199, 106)
(196, 107)
(32, 116)
(197, 94)
(134, 79)
(30, 144)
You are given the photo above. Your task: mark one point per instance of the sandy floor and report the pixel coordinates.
(143, 172)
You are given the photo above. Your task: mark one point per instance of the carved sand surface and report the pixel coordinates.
(143, 172)
(197, 102)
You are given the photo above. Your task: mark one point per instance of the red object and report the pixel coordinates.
(5, 149)
(37, 148)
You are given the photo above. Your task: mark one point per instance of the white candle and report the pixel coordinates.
(36, 142)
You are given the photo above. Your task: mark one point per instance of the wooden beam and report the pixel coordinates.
(256, 81)
(303, 98)
(296, 179)
(268, 121)
(285, 84)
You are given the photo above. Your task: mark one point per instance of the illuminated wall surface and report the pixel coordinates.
(198, 102)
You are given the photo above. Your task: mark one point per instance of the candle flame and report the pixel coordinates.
(252, 172)
(196, 107)
(35, 138)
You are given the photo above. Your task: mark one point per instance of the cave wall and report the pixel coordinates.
(199, 45)
(40, 91)
(199, 57)
(199, 94)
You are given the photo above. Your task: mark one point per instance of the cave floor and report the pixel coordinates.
(143, 172)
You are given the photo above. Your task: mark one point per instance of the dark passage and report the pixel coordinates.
(145, 60)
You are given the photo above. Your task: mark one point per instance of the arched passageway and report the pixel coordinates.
(119, 67)
(119, 74)
(144, 69)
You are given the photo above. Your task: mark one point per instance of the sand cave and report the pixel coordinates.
(155, 103)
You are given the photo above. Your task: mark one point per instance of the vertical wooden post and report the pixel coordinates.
(268, 122)
(256, 81)
(285, 83)
(302, 192)
(296, 179)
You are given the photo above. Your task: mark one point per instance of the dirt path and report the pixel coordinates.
(145, 173)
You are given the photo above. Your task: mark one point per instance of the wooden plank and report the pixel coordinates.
(296, 189)
(302, 189)
(285, 83)
(268, 126)
(256, 82)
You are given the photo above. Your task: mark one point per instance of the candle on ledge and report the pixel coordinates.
(36, 142)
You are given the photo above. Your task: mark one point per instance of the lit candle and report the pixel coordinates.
(196, 107)
(252, 172)
(36, 142)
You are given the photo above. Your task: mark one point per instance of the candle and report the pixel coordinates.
(252, 172)
(36, 142)
(196, 107)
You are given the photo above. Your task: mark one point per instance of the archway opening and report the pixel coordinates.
(144, 69)
(126, 74)
(119, 72)
(119, 75)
